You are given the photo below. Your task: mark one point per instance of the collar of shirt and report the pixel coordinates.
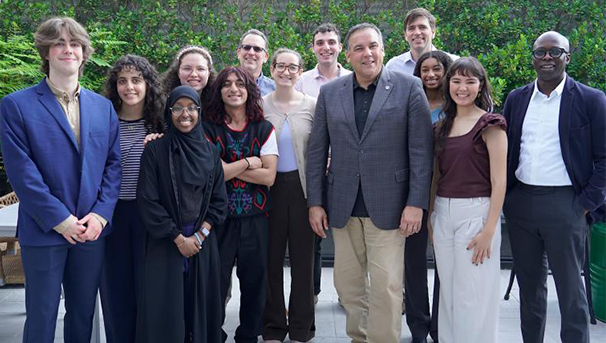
(407, 56)
(317, 74)
(556, 92)
(61, 94)
(374, 83)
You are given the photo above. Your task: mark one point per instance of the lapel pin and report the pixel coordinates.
(386, 87)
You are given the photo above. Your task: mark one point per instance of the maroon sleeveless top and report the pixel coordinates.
(464, 163)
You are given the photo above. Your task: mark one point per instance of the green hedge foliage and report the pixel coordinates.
(499, 33)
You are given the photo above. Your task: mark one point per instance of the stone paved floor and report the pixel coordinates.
(330, 317)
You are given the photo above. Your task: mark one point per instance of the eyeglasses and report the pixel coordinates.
(247, 47)
(553, 52)
(177, 110)
(280, 67)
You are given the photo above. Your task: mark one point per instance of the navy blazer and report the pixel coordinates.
(582, 128)
(52, 176)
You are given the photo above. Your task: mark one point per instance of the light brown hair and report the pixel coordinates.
(49, 33)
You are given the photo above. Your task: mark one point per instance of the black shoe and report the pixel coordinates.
(419, 340)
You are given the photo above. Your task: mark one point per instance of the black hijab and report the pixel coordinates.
(194, 150)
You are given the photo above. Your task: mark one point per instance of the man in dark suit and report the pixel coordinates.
(61, 151)
(556, 186)
(378, 126)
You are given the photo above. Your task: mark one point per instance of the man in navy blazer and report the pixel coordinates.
(61, 151)
(556, 187)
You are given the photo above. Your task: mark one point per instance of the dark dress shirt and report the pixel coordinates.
(362, 101)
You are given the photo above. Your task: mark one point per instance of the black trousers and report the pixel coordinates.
(548, 224)
(289, 225)
(318, 265)
(121, 272)
(418, 318)
(243, 242)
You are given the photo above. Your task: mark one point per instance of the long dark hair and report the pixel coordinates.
(216, 109)
(470, 67)
(170, 78)
(439, 55)
(154, 98)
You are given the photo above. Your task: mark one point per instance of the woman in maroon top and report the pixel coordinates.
(471, 150)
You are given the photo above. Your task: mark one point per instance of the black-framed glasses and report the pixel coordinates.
(553, 52)
(280, 67)
(247, 47)
(177, 110)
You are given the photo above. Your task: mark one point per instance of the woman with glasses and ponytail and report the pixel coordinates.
(292, 114)
(181, 197)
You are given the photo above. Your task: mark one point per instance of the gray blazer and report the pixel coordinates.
(393, 158)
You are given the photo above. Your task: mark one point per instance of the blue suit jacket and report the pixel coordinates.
(51, 175)
(582, 127)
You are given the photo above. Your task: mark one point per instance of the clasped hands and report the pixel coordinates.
(190, 246)
(81, 230)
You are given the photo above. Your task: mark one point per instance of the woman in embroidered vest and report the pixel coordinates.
(292, 114)
(134, 89)
(182, 199)
(248, 148)
(471, 151)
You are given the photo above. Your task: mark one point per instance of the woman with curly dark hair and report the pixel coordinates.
(134, 89)
(192, 66)
(248, 148)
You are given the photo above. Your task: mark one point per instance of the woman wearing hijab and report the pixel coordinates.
(181, 194)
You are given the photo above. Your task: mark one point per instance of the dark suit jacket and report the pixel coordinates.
(392, 159)
(582, 130)
(51, 175)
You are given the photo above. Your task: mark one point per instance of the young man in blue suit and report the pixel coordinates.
(61, 151)
(556, 187)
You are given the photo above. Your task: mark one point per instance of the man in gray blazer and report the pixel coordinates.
(378, 126)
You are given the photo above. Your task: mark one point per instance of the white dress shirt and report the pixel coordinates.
(541, 162)
(405, 64)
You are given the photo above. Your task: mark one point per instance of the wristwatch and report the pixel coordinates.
(205, 232)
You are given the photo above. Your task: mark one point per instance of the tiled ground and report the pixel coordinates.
(330, 317)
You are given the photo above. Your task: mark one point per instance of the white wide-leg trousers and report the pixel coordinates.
(469, 294)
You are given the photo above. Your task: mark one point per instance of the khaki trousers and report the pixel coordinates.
(368, 278)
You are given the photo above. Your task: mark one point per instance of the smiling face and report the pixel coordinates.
(432, 73)
(131, 87)
(419, 34)
(233, 92)
(548, 68)
(65, 56)
(365, 53)
(464, 90)
(285, 78)
(187, 120)
(194, 71)
(250, 59)
(326, 47)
